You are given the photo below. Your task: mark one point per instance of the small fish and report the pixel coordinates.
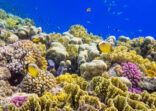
(89, 22)
(104, 47)
(88, 10)
(36, 39)
(151, 74)
(33, 70)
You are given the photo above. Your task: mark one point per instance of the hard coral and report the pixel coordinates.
(94, 68)
(108, 88)
(43, 82)
(78, 31)
(18, 100)
(57, 52)
(132, 72)
(16, 56)
(72, 78)
(6, 89)
(32, 103)
(122, 54)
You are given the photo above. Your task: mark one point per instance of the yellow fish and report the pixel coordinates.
(33, 70)
(104, 47)
(36, 40)
(151, 74)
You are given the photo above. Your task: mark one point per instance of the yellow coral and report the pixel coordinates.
(72, 50)
(72, 78)
(78, 31)
(108, 88)
(121, 54)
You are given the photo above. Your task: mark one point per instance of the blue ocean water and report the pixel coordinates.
(103, 17)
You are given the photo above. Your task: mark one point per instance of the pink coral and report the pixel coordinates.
(18, 100)
(133, 73)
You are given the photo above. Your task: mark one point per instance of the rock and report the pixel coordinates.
(148, 84)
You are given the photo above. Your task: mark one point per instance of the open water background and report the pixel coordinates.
(105, 17)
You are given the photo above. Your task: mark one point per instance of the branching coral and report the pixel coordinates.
(6, 89)
(16, 56)
(143, 46)
(132, 72)
(122, 54)
(78, 31)
(32, 104)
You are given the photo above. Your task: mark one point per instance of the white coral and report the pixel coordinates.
(94, 68)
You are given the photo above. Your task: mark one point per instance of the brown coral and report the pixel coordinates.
(43, 82)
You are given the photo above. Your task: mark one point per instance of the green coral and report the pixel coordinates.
(11, 23)
(72, 51)
(108, 88)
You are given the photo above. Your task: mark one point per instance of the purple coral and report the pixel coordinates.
(133, 73)
(18, 100)
(135, 90)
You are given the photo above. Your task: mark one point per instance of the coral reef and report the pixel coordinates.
(73, 71)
